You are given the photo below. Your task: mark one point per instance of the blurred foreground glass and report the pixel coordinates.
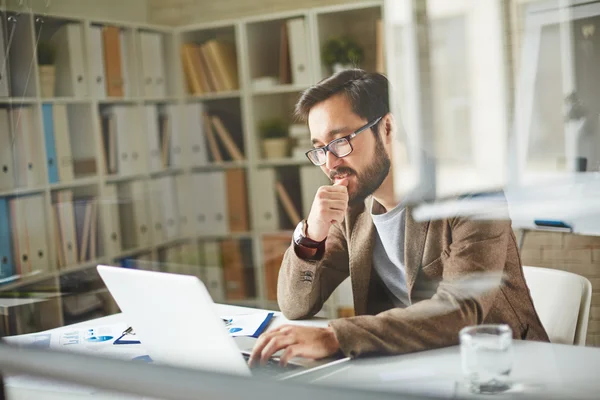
(486, 352)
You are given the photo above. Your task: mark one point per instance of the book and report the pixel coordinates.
(224, 58)
(237, 200)
(233, 270)
(191, 70)
(226, 139)
(212, 141)
(379, 48)
(112, 61)
(287, 203)
(285, 72)
(274, 248)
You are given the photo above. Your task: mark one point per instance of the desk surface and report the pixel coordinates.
(541, 370)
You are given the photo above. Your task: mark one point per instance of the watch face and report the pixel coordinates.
(299, 232)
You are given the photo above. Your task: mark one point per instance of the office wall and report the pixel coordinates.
(119, 10)
(176, 12)
(573, 253)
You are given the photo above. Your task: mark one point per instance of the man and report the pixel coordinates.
(415, 284)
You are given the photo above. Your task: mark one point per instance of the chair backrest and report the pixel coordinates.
(562, 300)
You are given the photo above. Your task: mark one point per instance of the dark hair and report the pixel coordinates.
(366, 92)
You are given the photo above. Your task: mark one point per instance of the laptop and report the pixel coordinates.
(176, 320)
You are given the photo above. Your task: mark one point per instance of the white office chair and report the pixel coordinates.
(562, 300)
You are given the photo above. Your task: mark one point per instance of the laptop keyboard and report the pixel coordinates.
(271, 368)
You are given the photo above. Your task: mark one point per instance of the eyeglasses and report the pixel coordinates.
(340, 147)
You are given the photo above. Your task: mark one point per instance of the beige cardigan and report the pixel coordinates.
(459, 272)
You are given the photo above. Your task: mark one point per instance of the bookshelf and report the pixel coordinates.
(138, 170)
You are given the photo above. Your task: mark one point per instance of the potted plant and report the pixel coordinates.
(340, 53)
(46, 54)
(275, 139)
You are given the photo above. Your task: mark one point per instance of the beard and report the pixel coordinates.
(370, 179)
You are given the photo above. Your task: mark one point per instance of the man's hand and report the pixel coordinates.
(329, 206)
(298, 341)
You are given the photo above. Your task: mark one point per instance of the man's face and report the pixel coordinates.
(368, 164)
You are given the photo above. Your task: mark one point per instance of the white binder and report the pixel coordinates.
(190, 260)
(36, 229)
(109, 220)
(20, 236)
(298, 44)
(141, 212)
(185, 197)
(195, 132)
(96, 57)
(80, 129)
(125, 163)
(171, 258)
(200, 207)
(133, 214)
(170, 212)
(311, 179)
(62, 143)
(70, 67)
(218, 219)
(158, 54)
(156, 210)
(213, 270)
(66, 218)
(152, 138)
(148, 64)
(126, 73)
(267, 217)
(136, 140)
(28, 151)
(7, 166)
(176, 150)
(4, 86)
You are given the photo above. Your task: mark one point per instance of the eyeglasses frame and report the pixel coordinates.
(346, 138)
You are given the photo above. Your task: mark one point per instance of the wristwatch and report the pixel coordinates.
(301, 239)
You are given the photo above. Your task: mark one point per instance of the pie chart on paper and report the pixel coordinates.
(98, 339)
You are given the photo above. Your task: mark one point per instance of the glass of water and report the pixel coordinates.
(486, 352)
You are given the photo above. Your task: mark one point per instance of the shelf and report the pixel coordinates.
(151, 100)
(26, 280)
(66, 100)
(117, 100)
(119, 178)
(80, 267)
(234, 235)
(22, 191)
(76, 183)
(172, 242)
(221, 165)
(232, 94)
(133, 252)
(18, 100)
(167, 171)
(282, 162)
(291, 88)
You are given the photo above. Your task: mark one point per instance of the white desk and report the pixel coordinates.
(542, 370)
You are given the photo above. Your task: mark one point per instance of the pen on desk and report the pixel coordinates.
(127, 331)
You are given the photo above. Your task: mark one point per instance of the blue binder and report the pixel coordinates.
(7, 266)
(48, 117)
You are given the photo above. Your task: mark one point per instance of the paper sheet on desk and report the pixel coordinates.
(82, 339)
(248, 324)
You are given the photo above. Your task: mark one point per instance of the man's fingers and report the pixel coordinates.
(289, 353)
(275, 344)
(339, 205)
(334, 189)
(262, 341)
